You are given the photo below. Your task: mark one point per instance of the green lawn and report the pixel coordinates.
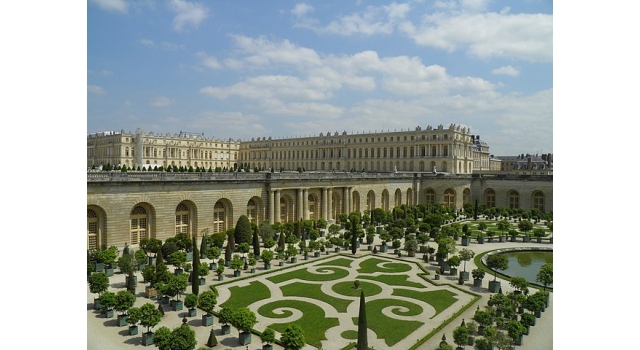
(439, 299)
(391, 329)
(313, 291)
(344, 262)
(244, 296)
(346, 289)
(304, 274)
(373, 265)
(393, 280)
(313, 322)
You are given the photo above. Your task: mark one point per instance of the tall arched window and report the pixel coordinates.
(138, 228)
(490, 198)
(514, 200)
(466, 196)
(182, 219)
(252, 211)
(538, 201)
(397, 201)
(313, 212)
(92, 230)
(409, 196)
(371, 200)
(355, 202)
(430, 196)
(219, 218)
(385, 200)
(449, 198)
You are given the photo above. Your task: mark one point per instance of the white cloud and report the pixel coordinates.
(506, 70)
(208, 61)
(112, 5)
(522, 36)
(161, 101)
(188, 13)
(266, 52)
(146, 42)
(301, 10)
(95, 89)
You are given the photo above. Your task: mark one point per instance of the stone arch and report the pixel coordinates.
(96, 227)
(255, 211)
(355, 201)
(222, 215)
(450, 198)
(409, 196)
(537, 200)
(513, 199)
(371, 200)
(385, 199)
(313, 206)
(430, 196)
(466, 196)
(141, 223)
(397, 199)
(490, 197)
(186, 218)
(287, 214)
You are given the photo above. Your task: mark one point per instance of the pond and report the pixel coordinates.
(527, 264)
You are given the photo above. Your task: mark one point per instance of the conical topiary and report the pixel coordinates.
(362, 325)
(213, 341)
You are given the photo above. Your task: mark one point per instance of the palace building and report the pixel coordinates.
(299, 179)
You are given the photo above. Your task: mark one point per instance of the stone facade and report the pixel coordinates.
(124, 207)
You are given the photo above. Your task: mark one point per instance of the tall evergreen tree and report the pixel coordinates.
(281, 241)
(354, 233)
(362, 325)
(231, 245)
(256, 242)
(131, 284)
(195, 282)
(243, 230)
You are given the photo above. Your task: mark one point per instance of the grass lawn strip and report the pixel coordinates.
(393, 280)
(344, 262)
(313, 322)
(346, 288)
(247, 295)
(324, 274)
(439, 299)
(392, 330)
(373, 265)
(313, 291)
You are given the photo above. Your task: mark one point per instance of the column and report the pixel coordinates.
(305, 204)
(416, 201)
(277, 206)
(349, 199)
(299, 204)
(345, 200)
(324, 203)
(271, 206)
(329, 206)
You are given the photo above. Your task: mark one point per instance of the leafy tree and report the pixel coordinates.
(217, 239)
(497, 262)
(466, 255)
(149, 316)
(292, 338)
(236, 262)
(181, 338)
(207, 300)
(267, 256)
(519, 283)
(545, 275)
(482, 226)
(515, 329)
(98, 283)
(244, 319)
(477, 274)
(268, 336)
(191, 301)
(133, 316)
(242, 232)
(525, 226)
(503, 225)
(482, 344)
(107, 300)
(225, 315)
(162, 338)
(213, 253)
(124, 300)
(176, 285)
(266, 230)
(178, 258)
(446, 246)
(461, 336)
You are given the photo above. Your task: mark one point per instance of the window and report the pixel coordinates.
(449, 198)
(514, 200)
(490, 198)
(138, 228)
(219, 218)
(92, 229)
(182, 219)
(430, 196)
(538, 201)
(252, 211)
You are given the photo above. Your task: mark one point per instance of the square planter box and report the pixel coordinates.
(539, 239)
(122, 320)
(480, 240)
(192, 312)
(135, 279)
(267, 347)
(244, 338)
(316, 254)
(384, 248)
(337, 250)
(202, 281)
(502, 239)
(165, 300)
(108, 314)
(213, 266)
(220, 277)
(464, 275)
(513, 238)
(453, 271)
(98, 267)
(150, 292)
(437, 277)
(294, 260)
(141, 267)
(96, 304)
(207, 320)
(281, 263)
(306, 257)
(494, 286)
(147, 338)
(177, 271)
(178, 305)
(526, 239)
(133, 330)
(267, 266)
(465, 241)
(189, 256)
(109, 271)
(237, 273)
(226, 329)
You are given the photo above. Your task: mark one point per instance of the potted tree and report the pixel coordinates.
(149, 317)
(213, 253)
(178, 259)
(465, 255)
(267, 256)
(244, 320)
(293, 338)
(108, 302)
(461, 336)
(203, 271)
(98, 283)
(411, 245)
(133, 318)
(545, 275)
(453, 263)
(477, 275)
(268, 336)
(225, 316)
(236, 265)
(151, 247)
(515, 329)
(472, 326)
(385, 237)
(207, 300)
(252, 262)
(141, 259)
(108, 257)
(292, 252)
(484, 320)
(496, 262)
(191, 301)
(520, 284)
(123, 301)
(176, 285)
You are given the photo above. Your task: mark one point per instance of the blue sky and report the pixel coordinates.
(243, 69)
